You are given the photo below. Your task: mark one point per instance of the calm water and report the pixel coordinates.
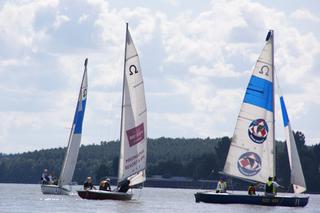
(28, 198)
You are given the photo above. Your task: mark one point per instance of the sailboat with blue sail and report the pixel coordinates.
(252, 150)
(71, 155)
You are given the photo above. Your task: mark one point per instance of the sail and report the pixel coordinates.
(133, 136)
(71, 156)
(251, 153)
(297, 178)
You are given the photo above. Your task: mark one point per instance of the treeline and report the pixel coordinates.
(194, 158)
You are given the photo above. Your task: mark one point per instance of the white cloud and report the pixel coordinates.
(83, 18)
(60, 20)
(304, 14)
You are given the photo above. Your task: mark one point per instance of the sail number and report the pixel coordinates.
(264, 70)
(133, 69)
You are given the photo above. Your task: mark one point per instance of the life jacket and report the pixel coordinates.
(269, 187)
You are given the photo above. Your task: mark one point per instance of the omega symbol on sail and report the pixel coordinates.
(258, 131)
(249, 164)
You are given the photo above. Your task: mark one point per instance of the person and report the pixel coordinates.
(88, 184)
(50, 179)
(221, 186)
(252, 189)
(269, 189)
(105, 185)
(275, 185)
(45, 177)
(124, 186)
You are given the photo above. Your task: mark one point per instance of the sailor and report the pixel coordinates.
(252, 190)
(269, 189)
(105, 185)
(44, 177)
(88, 184)
(124, 186)
(275, 185)
(50, 178)
(221, 186)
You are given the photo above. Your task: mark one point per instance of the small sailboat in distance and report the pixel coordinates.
(133, 130)
(71, 155)
(251, 154)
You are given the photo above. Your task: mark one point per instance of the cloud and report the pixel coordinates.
(60, 19)
(304, 15)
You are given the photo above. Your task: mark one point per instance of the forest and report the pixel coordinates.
(193, 158)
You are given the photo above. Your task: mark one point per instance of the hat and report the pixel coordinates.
(108, 179)
(45, 170)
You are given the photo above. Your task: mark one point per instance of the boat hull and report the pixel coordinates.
(103, 195)
(225, 198)
(54, 190)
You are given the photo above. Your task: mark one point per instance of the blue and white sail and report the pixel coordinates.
(251, 153)
(133, 133)
(71, 156)
(297, 178)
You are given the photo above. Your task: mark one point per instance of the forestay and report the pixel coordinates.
(133, 136)
(251, 154)
(71, 156)
(297, 178)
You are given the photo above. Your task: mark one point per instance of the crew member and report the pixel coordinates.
(221, 186)
(124, 186)
(269, 189)
(88, 184)
(105, 185)
(45, 177)
(252, 190)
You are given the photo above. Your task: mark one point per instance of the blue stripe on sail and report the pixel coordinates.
(259, 93)
(284, 112)
(78, 119)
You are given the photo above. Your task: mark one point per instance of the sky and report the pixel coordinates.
(196, 59)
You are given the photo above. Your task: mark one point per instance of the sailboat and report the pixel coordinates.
(71, 155)
(133, 129)
(252, 151)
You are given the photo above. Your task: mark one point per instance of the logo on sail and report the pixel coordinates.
(249, 164)
(258, 131)
(135, 135)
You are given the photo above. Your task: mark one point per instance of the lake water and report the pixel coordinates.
(22, 198)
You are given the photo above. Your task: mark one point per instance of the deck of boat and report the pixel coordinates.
(225, 198)
(104, 195)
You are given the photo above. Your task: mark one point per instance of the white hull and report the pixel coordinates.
(54, 190)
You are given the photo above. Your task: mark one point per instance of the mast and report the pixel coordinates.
(121, 121)
(273, 130)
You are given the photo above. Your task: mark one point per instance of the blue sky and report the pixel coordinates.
(196, 59)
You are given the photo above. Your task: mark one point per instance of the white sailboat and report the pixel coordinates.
(252, 151)
(133, 129)
(71, 155)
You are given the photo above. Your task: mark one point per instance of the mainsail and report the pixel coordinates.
(133, 135)
(71, 156)
(251, 153)
(297, 178)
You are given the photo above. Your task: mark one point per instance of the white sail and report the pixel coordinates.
(297, 178)
(133, 136)
(71, 156)
(251, 153)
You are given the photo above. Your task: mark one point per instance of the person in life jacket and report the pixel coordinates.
(252, 190)
(221, 186)
(269, 187)
(275, 185)
(105, 185)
